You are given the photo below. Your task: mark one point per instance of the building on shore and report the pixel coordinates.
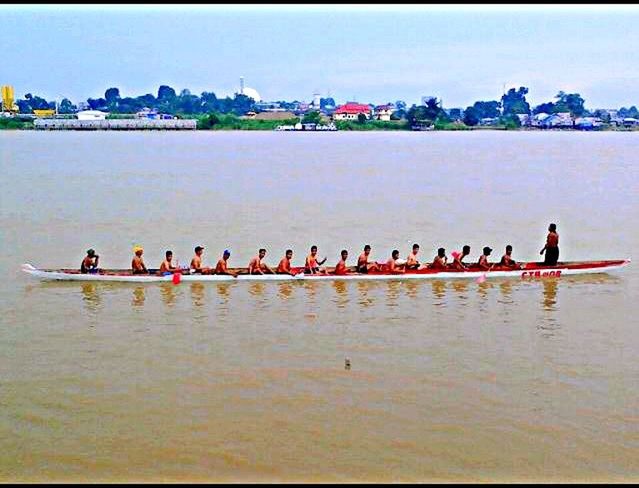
(560, 120)
(384, 112)
(588, 123)
(91, 115)
(538, 119)
(351, 111)
(153, 114)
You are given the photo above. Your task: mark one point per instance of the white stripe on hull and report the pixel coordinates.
(519, 273)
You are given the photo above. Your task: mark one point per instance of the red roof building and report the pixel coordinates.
(350, 111)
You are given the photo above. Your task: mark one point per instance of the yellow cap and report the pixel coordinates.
(137, 248)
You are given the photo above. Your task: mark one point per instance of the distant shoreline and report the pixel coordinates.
(468, 129)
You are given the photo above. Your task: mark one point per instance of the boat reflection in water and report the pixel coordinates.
(341, 288)
(138, 296)
(285, 290)
(550, 294)
(197, 294)
(442, 293)
(168, 293)
(91, 297)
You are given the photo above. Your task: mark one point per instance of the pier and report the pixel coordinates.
(115, 124)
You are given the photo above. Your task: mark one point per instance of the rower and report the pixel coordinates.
(551, 247)
(312, 265)
(340, 267)
(411, 260)
(285, 264)
(167, 267)
(457, 261)
(256, 266)
(196, 262)
(89, 263)
(363, 266)
(137, 263)
(222, 266)
(440, 260)
(391, 265)
(483, 259)
(506, 259)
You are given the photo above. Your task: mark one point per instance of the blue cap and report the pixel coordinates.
(226, 251)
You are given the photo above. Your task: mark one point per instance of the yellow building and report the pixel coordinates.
(44, 113)
(8, 99)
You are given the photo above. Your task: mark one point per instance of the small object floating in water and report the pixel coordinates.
(347, 364)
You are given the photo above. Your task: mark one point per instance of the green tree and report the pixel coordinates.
(471, 116)
(327, 103)
(544, 108)
(147, 100)
(208, 102)
(241, 104)
(66, 107)
(511, 121)
(570, 102)
(514, 102)
(165, 92)
(208, 121)
(97, 103)
(603, 115)
(628, 112)
(33, 102)
(112, 95)
(312, 117)
(456, 113)
(361, 118)
(425, 114)
(487, 109)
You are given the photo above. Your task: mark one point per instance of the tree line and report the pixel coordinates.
(505, 110)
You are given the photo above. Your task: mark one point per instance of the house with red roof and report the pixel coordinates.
(351, 111)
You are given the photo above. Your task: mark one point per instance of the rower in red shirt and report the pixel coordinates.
(506, 259)
(457, 261)
(411, 260)
(256, 266)
(221, 267)
(285, 264)
(363, 266)
(312, 265)
(341, 268)
(483, 259)
(391, 265)
(552, 246)
(440, 260)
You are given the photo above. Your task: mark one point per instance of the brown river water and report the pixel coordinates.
(506, 380)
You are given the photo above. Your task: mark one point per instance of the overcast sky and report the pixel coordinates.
(365, 53)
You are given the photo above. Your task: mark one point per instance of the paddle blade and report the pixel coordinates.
(177, 277)
(482, 278)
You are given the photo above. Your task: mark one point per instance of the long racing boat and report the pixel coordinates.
(529, 270)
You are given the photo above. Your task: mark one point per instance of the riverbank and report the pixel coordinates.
(232, 123)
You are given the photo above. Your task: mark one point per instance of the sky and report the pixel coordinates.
(364, 53)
